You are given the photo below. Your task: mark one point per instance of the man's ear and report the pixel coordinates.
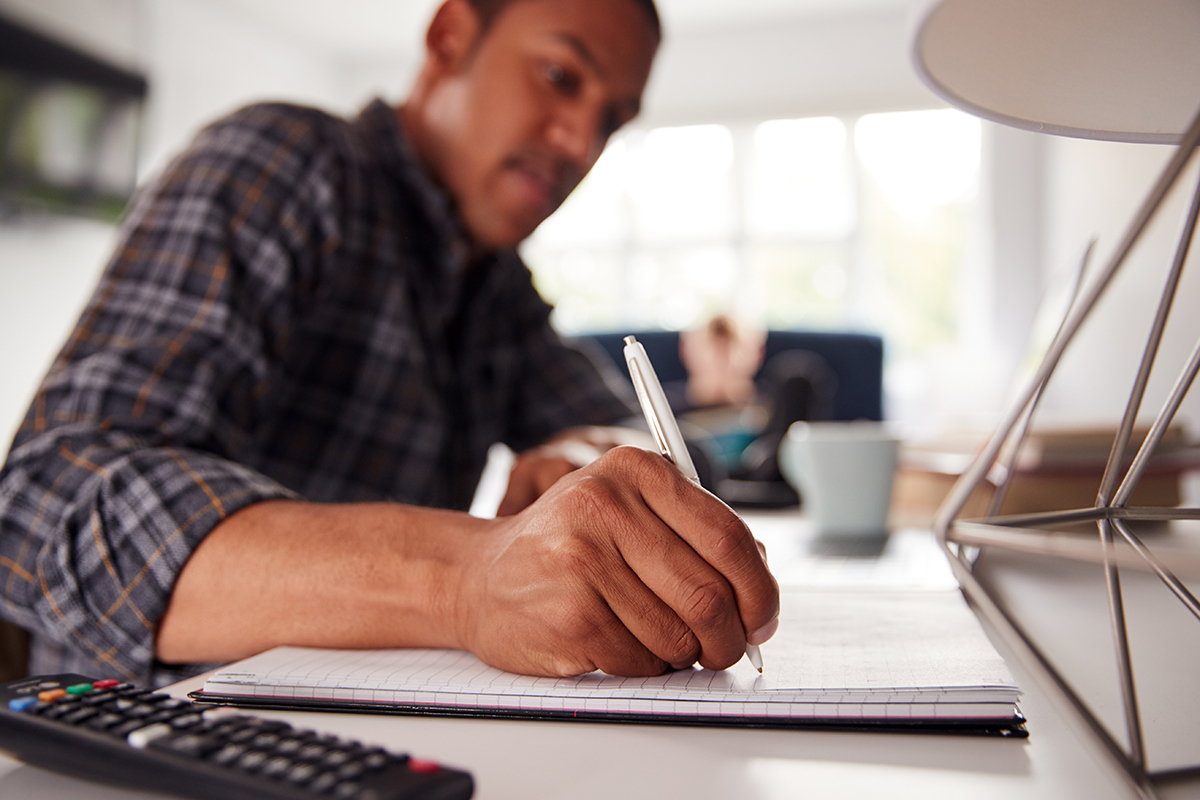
(452, 35)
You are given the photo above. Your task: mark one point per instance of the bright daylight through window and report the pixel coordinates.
(870, 223)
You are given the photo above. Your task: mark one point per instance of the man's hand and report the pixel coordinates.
(538, 469)
(623, 566)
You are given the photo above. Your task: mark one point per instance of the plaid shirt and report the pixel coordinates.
(290, 313)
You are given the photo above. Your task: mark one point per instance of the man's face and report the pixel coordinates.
(519, 122)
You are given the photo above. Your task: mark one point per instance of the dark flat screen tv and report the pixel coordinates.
(69, 127)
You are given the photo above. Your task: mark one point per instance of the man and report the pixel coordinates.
(309, 335)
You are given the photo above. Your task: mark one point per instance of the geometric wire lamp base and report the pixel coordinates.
(1135, 561)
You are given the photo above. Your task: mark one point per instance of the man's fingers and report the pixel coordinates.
(531, 476)
(699, 596)
(717, 535)
(724, 541)
(648, 617)
(624, 654)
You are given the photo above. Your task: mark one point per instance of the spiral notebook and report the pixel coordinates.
(841, 659)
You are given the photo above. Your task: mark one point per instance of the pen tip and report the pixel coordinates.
(760, 670)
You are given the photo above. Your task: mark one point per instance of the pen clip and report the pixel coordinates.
(659, 418)
(652, 420)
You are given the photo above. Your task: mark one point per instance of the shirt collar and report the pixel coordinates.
(385, 135)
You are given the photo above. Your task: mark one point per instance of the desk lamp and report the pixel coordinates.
(1117, 70)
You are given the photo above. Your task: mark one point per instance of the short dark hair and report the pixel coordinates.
(488, 10)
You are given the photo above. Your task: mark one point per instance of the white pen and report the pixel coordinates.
(665, 430)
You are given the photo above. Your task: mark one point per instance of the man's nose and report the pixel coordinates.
(575, 133)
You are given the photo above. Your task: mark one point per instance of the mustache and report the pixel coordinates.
(561, 174)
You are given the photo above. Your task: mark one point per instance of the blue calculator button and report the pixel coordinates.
(22, 703)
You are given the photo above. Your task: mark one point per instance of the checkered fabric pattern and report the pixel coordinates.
(291, 312)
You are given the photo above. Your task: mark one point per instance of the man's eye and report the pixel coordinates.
(560, 78)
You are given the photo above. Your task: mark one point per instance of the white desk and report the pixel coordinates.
(529, 760)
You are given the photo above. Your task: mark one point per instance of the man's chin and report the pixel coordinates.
(506, 233)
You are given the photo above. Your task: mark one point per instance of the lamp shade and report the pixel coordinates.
(1120, 70)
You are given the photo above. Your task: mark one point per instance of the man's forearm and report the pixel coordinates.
(623, 565)
(287, 572)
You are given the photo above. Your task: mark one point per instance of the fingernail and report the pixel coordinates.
(764, 633)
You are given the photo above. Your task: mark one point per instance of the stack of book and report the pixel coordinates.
(1056, 469)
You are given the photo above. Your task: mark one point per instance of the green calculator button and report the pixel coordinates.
(79, 688)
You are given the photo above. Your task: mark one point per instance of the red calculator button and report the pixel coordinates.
(423, 765)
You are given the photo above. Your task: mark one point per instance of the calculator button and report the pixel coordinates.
(169, 703)
(102, 722)
(186, 721)
(58, 710)
(229, 753)
(354, 769)
(276, 766)
(98, 698)
(347, 791)
(187, 744)
(78, 715)
(301, 773)
(225, 729)
(271, 726)
(22, 703)
(106, 683)
(289, 747)
(126, 728)
(251, 760)
(323, 782)
(243, 734)
(225, 714)
(311, 752)
(423, 765)
(50, 695)
(79, 688)
(160, 716)
(144, 736)
(265, 740)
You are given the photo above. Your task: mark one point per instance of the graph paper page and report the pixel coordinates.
(911, 650)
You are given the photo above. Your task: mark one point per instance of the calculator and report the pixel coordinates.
(113, 732)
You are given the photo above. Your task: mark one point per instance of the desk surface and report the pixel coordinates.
(526, 759)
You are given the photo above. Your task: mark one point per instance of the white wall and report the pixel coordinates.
(826, 64)
(48, 265)
(201, 59)
(1095, 188)
(47, 269)
(204, 60)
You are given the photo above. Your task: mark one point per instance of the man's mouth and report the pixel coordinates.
(546, 184)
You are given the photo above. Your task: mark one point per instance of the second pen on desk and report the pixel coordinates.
(665, 429)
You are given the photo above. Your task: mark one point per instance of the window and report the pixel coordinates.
(867, 223)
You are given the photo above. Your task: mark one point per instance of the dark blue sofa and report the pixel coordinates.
(856, 360)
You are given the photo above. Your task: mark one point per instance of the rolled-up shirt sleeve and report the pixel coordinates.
(560, 386)
(127, 457)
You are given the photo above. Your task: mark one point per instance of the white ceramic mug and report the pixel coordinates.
(843, 472)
